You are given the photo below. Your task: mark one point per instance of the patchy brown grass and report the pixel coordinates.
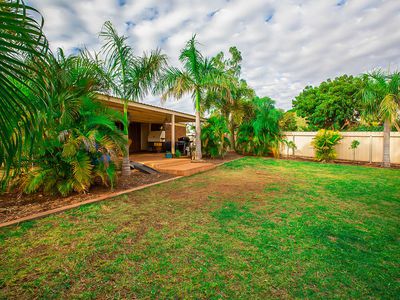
(255, 228)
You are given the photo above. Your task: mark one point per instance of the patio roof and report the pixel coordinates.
(146, 113)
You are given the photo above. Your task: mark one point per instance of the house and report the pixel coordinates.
(151, 128)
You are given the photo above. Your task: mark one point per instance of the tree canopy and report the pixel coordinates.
(333, 104)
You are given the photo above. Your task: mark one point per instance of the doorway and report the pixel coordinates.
(134, 137)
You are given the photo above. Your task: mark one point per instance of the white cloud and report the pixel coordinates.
(285, 44)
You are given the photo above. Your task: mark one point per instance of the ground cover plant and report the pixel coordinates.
(255, 228)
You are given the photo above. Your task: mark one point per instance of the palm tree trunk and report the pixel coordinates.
(126, 168)
(198, 128)
(232, 132)
(386, 143)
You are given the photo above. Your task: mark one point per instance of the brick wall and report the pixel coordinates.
(180, 131)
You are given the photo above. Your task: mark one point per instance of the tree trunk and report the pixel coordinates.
(198, 155)
(231, 132)
(126, 168)
(386, 144)
(198, 137)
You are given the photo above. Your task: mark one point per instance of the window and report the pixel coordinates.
(156, 127)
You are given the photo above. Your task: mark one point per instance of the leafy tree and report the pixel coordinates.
(197, 76)
(21, 37)
(213, 136)
(259, 134)
(381, 98)
(324, 144)
(292, 122)
(78, 140)
(131, 77)
(333, 104)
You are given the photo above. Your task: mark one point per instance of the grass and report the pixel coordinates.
(252, 229)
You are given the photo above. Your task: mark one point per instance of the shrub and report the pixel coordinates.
(213, 137)
(324, 143)
(78, 141)
(259, 134)
(178, 153)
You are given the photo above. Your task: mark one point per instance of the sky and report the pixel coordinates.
(286, 44)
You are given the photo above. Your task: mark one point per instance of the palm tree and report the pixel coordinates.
(21, 36)
(78, 139)
(198, 76)
(259, 132)
(213, 134)
(130, 77)
(381, 96)
(228, 102)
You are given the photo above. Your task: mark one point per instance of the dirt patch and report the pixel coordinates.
(14, 205)
(228, 157)
(220, 185)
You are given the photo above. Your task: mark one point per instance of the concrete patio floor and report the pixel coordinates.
(175, 166)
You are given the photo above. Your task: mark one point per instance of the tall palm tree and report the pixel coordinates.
(381, 96)
(131, 77)
(21, 37)
(198, 76)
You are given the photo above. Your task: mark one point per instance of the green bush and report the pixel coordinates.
(178, 153)
(259, 134)
(78, 141)
(324, 144)
(213, 137)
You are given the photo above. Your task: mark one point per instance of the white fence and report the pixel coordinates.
(369, 150)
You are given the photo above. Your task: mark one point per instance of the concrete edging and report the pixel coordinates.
(98, 199)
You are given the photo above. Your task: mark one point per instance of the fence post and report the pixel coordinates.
(294, 149)
(370, 148)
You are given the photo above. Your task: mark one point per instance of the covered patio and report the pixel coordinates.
(151, 128)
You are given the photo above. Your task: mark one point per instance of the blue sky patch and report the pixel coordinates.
(341, 2)
(121, 2)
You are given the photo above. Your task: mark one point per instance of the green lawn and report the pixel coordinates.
(254, 228)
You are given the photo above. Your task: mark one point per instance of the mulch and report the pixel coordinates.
(15, 205)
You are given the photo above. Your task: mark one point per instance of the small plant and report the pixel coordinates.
(290, 145)
(354, 145)
(324, 143)
(178, 153)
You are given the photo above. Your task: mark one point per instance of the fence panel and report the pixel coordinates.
(369, 150)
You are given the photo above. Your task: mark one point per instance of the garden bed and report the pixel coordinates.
(14, 205)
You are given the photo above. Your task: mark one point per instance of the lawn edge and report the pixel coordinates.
(100, 198)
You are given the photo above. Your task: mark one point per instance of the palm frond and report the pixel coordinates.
(21, 37)
(144, 72)
(81, 168)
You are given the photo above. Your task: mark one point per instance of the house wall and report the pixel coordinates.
(369, 150)
(180, 131)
